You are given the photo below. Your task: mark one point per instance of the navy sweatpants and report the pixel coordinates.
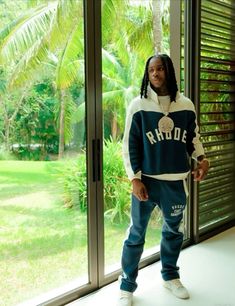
(170, 196)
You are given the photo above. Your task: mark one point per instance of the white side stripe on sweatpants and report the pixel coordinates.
(185, 188)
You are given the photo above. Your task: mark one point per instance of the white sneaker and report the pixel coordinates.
(125, 298)
(176, 287)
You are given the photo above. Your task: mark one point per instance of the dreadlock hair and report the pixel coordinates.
(171, 82)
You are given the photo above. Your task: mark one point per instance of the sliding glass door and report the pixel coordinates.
(43, 151)
(131, 32)
(70, 70)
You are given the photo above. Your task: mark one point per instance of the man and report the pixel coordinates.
(161, 134)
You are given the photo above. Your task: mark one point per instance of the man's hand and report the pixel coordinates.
(200, 172)
(139, 190)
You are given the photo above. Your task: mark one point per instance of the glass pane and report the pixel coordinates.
(128, 32)
(43, 192)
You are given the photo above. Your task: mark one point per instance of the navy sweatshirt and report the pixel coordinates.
(148, 151)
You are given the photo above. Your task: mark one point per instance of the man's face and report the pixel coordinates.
(156, 72)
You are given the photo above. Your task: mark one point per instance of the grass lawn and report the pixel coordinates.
(42, 244)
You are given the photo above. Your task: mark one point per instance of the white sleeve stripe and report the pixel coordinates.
(197, 143)
(126, 154)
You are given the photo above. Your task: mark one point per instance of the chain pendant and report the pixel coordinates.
(165, 124)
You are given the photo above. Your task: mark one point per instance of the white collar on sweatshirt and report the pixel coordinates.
(154, 96)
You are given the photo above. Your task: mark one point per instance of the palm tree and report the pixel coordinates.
(52, 35)
(157, 26)
(121, 83)
(126, 49)
(49, 34)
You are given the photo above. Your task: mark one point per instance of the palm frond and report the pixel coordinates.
(27, 66)
(112, 94)
(109, 59)
(69, 63)
(69, 14)
(112, 10)
(23, 35)
(114, 83)
(70, 108)
(79, 113)
(130, 93)
(67, 9)
(136, 71)
(140, 36)
(112, 69)
(9, 27)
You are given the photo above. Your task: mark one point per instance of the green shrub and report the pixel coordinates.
(116, 184)
(74, 182)
(24, 152)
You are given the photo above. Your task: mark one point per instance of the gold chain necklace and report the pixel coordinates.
(165, 124)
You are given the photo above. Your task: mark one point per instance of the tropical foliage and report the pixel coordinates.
(116, 200)
(47, 42)
(42, 86)
(47, 38)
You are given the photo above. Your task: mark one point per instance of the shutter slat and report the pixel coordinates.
(216, 115)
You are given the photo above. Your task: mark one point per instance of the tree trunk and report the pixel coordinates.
(114, 126)
(8, 121)
(7, 135)
(157, 26)
(61, 126)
